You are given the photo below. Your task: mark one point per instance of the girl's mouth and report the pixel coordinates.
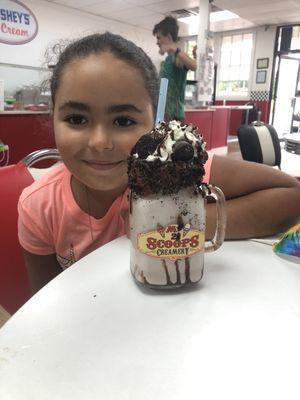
(102, 165)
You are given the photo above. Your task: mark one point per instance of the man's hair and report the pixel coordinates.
(167, 26)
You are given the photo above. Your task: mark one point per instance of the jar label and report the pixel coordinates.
(171, 242)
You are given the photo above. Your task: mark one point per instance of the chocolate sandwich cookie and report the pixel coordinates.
(167, 159)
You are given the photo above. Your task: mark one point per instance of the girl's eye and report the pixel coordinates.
(76, 120)
(124, 122)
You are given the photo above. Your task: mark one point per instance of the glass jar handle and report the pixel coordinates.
(219, 235)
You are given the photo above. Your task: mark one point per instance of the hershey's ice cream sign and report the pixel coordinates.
(18, 24)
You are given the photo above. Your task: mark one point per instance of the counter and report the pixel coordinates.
(213, 123)
(26, 131)
(16, 112)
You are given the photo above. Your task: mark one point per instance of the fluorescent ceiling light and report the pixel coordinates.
(214, 17)
(192, 23)
(189, 20)
(222, 16)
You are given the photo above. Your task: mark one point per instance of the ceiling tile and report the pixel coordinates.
(167, 6)
(261, 5)
(266, 8)
(230, 25)
(77, 3)
(230, 4)
(133, 12)
(144, 2)
(145, 13)
(263, 12)
(108, 6)
(146, 21)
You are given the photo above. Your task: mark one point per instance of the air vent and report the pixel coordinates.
(214, 8)
(183, 13)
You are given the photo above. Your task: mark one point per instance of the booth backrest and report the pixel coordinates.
(14, 284)
(259, 143)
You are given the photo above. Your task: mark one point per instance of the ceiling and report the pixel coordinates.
(146, 13)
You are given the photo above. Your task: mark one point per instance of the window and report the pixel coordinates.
(235, 63)
(295, 43)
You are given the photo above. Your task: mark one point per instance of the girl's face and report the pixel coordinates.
(101, 110)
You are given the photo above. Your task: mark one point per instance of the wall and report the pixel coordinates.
(55, 23)
(264, 39)
(58, 22)
(263, 48)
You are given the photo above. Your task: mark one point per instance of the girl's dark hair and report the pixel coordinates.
(121, 48)
(168, 26)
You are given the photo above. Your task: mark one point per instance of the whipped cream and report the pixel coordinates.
(176, 131)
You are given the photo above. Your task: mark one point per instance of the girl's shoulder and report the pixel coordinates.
(47, 184)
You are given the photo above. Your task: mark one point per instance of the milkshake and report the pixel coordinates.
(167, 207)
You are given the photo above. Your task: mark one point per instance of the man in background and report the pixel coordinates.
(174, 67)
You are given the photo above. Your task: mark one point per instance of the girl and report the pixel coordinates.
(104, 91)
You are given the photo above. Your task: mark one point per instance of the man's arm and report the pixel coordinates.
(181, 57)
(186, 60)
(41, 269)
(261, 201)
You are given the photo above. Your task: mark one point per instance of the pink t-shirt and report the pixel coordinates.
(50, 221)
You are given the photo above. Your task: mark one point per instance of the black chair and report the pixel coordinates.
(251, 115)
(259, 143)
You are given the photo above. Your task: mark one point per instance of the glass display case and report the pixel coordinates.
(25, 87)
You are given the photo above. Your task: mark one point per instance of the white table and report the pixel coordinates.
(290, 163)
(246, 107)
(92, 333)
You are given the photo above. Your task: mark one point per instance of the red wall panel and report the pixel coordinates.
(237, 115)
(25, 133)
(214, 125)
(220, 127)
(203, 120)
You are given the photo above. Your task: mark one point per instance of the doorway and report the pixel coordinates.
(285, 87)
(284, 107)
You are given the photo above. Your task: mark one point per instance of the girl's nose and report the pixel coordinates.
(100, 139)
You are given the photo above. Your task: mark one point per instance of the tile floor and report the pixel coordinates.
(232, 150)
